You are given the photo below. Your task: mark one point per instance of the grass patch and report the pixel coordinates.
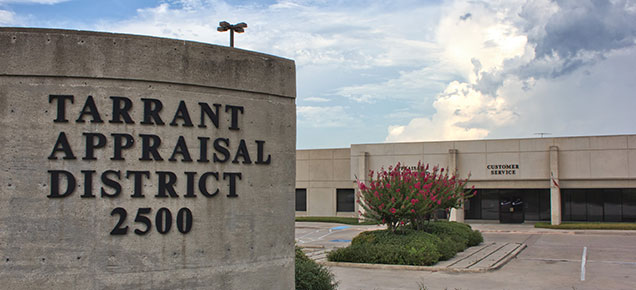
(329, 219)
(438, 241)
(587, 226)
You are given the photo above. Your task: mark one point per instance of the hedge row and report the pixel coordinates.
(437, 241)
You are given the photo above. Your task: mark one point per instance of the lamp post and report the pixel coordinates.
(225, 26)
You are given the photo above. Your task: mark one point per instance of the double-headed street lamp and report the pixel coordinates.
(225, 26)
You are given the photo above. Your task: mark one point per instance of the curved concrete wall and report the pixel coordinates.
(105, 139)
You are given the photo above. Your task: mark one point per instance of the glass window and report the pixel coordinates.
(489, 204)
(612, 209)
(531, 204)
(578, 200)
(345, 200)
(594, 205)
(629, 205)
(472, 206)
(301, 199)
(544, 205)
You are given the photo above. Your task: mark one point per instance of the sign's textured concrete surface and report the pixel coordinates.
(134, 162)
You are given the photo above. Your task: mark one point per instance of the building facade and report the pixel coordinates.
(591, 178)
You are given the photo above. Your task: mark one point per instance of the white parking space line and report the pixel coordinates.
(583, 261)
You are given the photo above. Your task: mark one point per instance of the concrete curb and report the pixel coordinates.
(565, 232)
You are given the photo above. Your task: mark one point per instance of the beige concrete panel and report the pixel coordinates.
(488, 184)
(342, 169)
(377, 162)
(534, 165)
(320, 170)
(357, 149)
(373, 149)
(440, 160)
(345, 184)
(437, 147)
(609, 163)
(606, 183)
(302, 170)
(332, 184)
(404, 148)
(502, 159)
(470, 146)
(631, 156)
(631, 141)
(321, 201)
(572, 143)
(473, 164)
(539, 144)
(353, 165)
(321, 154)
(608, 142)
(344, 153)
(302, 184)
(502, 145)
(574, 164)
(302, 154)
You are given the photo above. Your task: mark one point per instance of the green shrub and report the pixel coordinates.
(437, 241)
(312, 276)
(460, 233)
(385, 247)
(475, 238)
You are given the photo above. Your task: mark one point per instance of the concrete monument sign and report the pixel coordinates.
(134, 162)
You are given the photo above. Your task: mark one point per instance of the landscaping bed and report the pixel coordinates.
(435, 241)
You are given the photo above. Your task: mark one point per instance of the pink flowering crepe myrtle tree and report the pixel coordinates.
(400, 197)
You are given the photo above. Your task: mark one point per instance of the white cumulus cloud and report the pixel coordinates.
(509, 53)
(6, 17)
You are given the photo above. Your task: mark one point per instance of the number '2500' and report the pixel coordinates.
(163, 221)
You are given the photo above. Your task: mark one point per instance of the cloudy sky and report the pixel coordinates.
(405, 70)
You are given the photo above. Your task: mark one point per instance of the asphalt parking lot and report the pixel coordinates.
(552, 260)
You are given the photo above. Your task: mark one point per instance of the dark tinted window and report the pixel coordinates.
(301, 199)
(345, 200)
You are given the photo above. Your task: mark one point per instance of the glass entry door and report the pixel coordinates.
(511, 209)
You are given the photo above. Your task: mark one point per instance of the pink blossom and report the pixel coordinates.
(412, 210)
(393, 210)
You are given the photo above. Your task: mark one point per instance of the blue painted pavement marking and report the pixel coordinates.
(340, 228)
(341, 241)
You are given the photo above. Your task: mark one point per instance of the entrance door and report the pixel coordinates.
(511, 210)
